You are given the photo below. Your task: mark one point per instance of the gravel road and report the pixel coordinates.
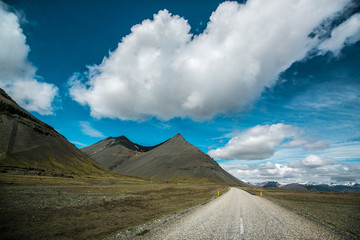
(240, 215)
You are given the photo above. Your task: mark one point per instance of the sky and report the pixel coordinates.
(269, 89)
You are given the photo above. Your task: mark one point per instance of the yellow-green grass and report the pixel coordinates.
(44, 207)
(51, 166)
(340, 210)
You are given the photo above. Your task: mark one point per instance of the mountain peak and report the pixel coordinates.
(178, 140)
(122, 138)
(179, 136)
(116, 138)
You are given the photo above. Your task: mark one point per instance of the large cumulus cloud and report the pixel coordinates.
(17, 74)
(160, 69)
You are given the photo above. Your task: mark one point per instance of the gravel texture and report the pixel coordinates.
(235, 215)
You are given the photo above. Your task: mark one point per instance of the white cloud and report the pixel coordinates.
(78, 143)
(161, 70)
(256, 173)
(346, 33)
(306, 143)
(261, 141)
(17, 74)
(312, 168)
(344, 151)
(162, 125)
(88, 130)
(340, 152)
(316, 161)
(297, 142)
(267, 165)
(316, 145)
(33, 95)
(258, 142)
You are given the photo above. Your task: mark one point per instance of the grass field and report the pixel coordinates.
(341, 210)
(40, 207)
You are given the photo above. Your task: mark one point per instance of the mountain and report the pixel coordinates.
(113, 151)
(294, 186)
(353, 188)
(171, 159)
(334, 188)
(28, 144)
(270, 184)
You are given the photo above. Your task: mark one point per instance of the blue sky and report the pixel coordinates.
(270, 89)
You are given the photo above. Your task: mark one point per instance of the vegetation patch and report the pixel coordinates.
(143, 232)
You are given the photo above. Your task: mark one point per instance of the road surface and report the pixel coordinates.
(240, 215)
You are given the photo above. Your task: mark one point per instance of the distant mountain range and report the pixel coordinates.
(354, 188)
(174, 158)
(29, 145)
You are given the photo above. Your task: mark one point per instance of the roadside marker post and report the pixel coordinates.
(260, 193)
(218, 193)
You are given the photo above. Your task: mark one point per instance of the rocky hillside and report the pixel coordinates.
(28, 144)
(174, 158)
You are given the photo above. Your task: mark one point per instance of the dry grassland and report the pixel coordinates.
(40, 207)
(340, 210)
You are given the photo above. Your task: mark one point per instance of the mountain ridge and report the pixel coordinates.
(172, 158)
(124, 141)
(354, 188)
